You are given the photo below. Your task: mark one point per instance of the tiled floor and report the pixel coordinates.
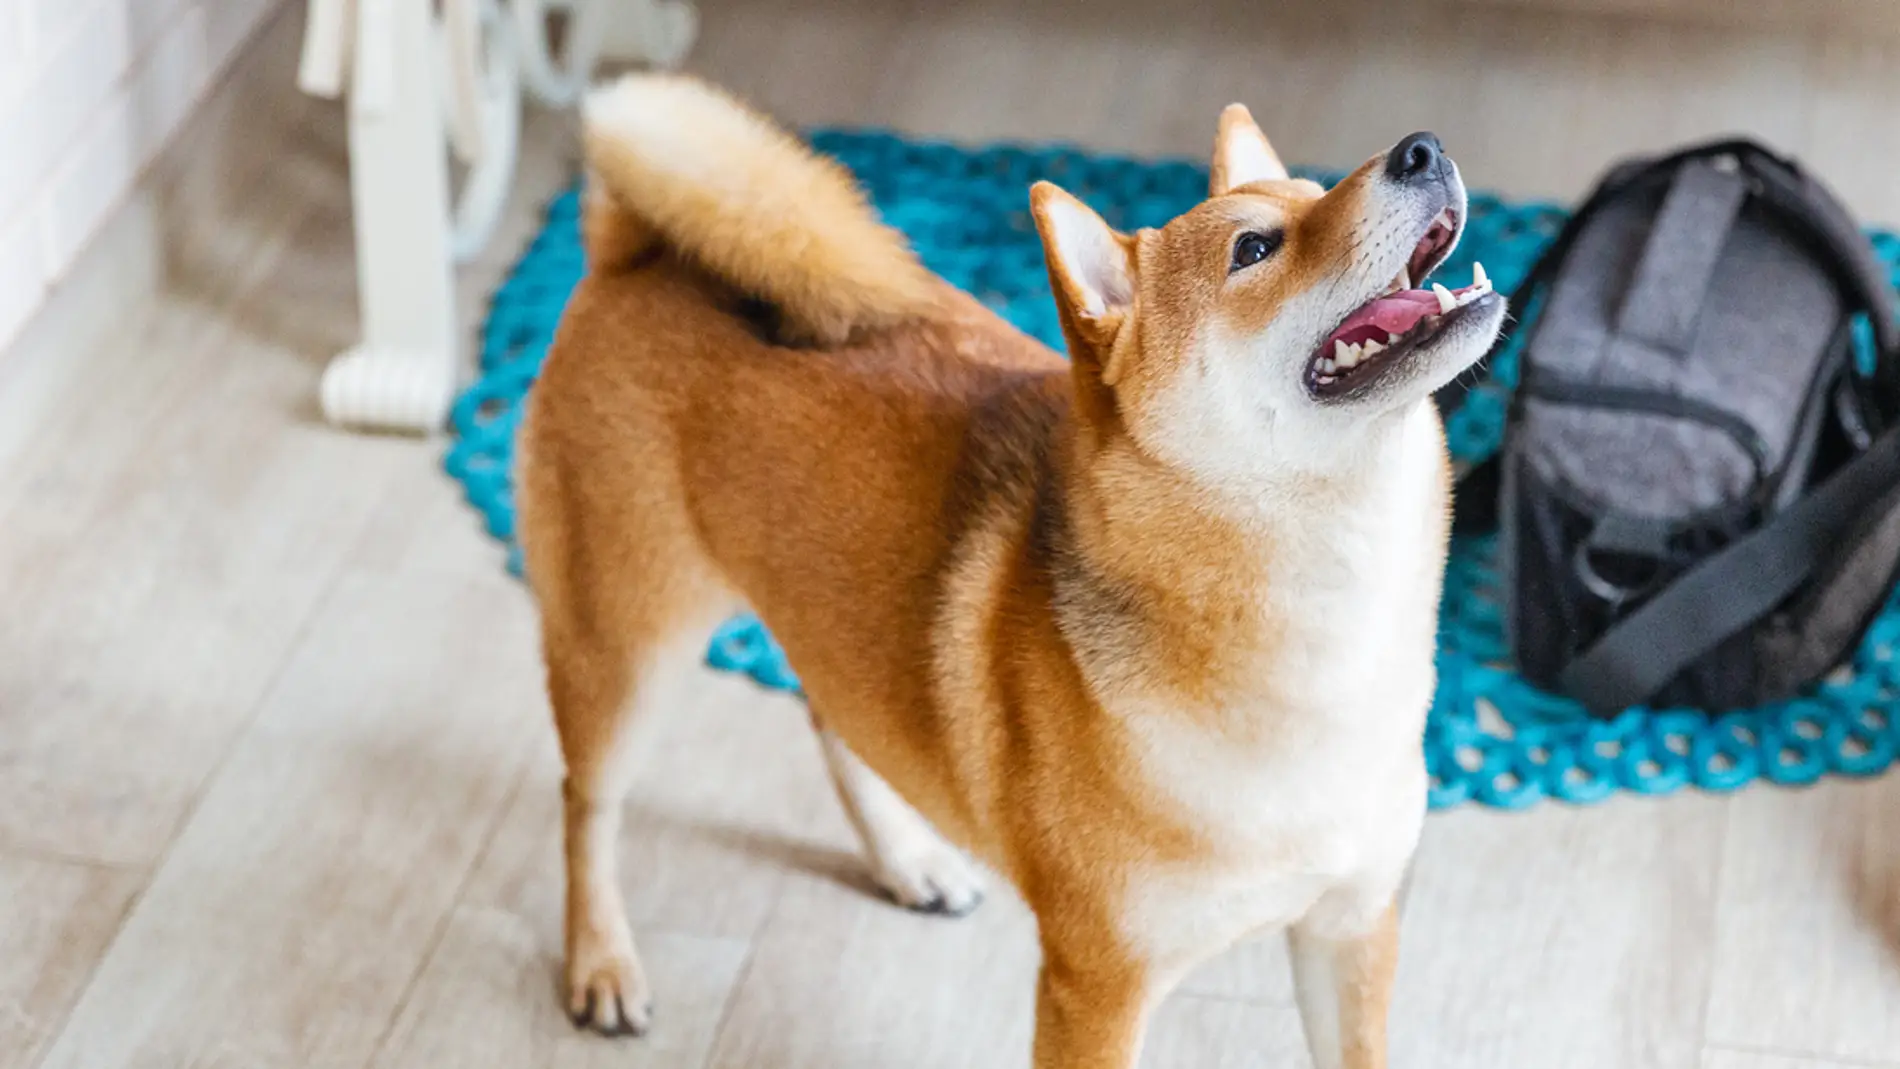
(277, 787)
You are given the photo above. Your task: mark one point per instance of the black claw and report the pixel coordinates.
(628, 1026)
(584, 1017)
(938, 905)
(625, 1025)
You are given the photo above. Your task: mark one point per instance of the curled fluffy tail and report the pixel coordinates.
(673, 160)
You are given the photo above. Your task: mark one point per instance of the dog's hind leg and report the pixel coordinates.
(909, 858)
(592, 689)
(602, 691)
(619, 631)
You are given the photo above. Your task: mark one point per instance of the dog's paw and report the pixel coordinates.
(609, 995)
(935, 878)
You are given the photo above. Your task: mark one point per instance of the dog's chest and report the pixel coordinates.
(1330, 650)
(1331, 812)
(1308, 772)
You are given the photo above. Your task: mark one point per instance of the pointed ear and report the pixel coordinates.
(1091, 266)
(1241, 153)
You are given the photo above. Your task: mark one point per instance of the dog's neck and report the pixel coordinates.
(1128, 507)
(1230, 574)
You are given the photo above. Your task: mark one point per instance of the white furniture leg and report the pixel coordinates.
(418, 88)
(404, 373)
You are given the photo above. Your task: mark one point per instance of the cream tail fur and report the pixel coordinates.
(673, 159)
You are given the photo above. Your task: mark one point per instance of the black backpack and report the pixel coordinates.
(1698, 493)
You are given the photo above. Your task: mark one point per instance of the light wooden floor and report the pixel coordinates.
(277, 787)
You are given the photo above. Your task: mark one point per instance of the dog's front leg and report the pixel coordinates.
(1091, 1011)
(1342, 976)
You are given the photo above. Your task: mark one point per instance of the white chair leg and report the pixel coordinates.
(404, 374)
(413, 83)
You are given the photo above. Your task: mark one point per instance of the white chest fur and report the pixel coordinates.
(1316, 785)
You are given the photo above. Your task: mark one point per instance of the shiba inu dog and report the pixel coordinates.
(1149, 632)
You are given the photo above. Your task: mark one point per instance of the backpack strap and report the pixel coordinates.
(1726, 592)
(1663, 299)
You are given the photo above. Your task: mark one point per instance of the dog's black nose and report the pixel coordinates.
(1416, 157)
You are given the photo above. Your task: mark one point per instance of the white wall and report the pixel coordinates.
(90, 90)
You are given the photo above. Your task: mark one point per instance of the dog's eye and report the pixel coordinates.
(1251, 248)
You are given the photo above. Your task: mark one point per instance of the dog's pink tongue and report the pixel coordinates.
(1387, 315)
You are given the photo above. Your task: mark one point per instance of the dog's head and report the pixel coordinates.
(1270, 326)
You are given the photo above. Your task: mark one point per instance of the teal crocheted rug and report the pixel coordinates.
(1492, 738)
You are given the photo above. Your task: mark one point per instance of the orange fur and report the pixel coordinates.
(985, 564)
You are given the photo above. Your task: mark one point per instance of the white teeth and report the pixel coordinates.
(1480, 286)
(1391, 337)
(1326, 365)
(1373, 348)
(1446, 301)
(1405, 277)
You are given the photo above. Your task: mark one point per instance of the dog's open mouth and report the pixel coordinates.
(1399, 321)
